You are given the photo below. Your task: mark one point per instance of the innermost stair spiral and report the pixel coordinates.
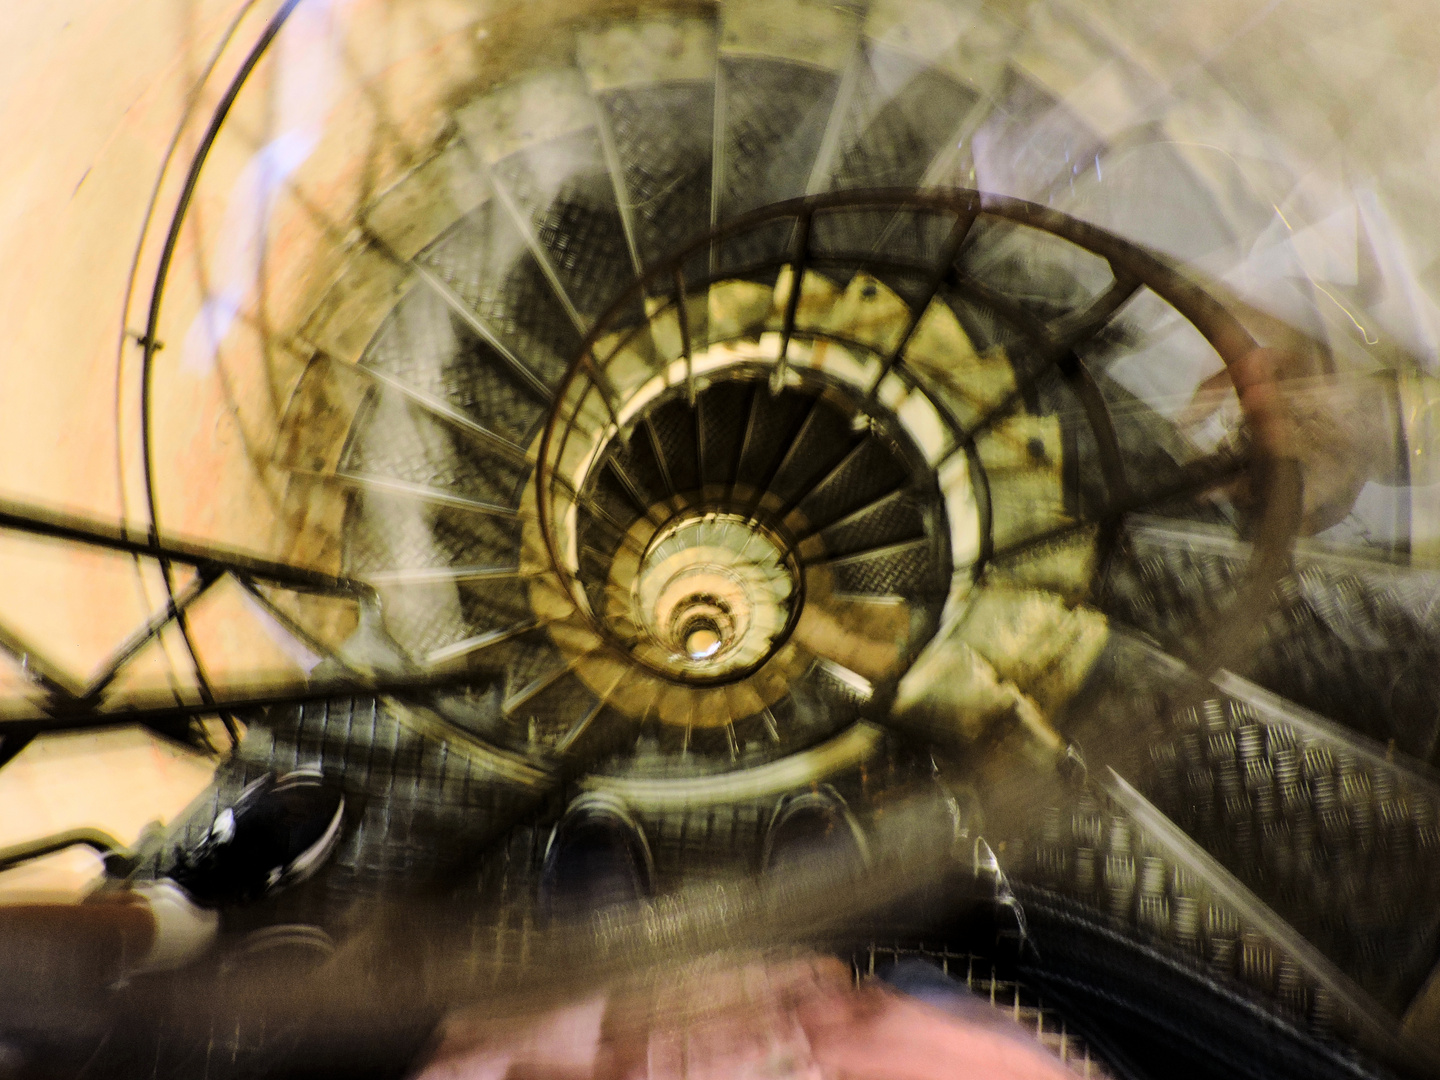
(715, 593)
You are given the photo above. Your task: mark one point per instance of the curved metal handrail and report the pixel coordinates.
(1277, 479)
(118, 859)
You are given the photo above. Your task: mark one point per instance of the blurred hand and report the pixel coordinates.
(1330, 425)
(801, 1017)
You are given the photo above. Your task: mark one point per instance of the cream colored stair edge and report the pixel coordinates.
(845, 751)
(1001, 669)
(1013, 648)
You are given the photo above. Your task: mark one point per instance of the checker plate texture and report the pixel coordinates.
(663, 138)
(428, 348)
(1332, 644)
(1340, 842)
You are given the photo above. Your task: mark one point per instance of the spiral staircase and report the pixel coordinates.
(714, 402)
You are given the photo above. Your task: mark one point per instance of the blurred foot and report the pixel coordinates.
(277, 833)
(184, 930)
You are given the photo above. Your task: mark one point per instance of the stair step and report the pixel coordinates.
(774, 425)
(940, 353)
(469, 647)
(891, 518)
(817, 466)
(412, 214)
(1116, 852)
(722, 415)
(1032, 144)
(902, 114)
(870, 312)
(556, 714)
(865, 472)
(1029, 637)
(411, 447)
(483, 265)
(654, 82)
(1025, 504)
(908, 567)
(537, 140)
(635, 357)
(866, 635)
(1338, 835)
(898, 112)
(1331, 646)
(779, 77)
(1065, 566)
(818, 296)
(738, 309)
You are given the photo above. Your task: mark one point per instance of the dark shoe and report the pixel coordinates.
(597, 856)
(277, 833)
(811, 825)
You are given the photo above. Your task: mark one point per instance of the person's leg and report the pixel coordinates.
(74, 945)
(278, 832)
(59, 963)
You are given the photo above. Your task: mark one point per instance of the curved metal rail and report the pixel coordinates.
(1277, 480)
